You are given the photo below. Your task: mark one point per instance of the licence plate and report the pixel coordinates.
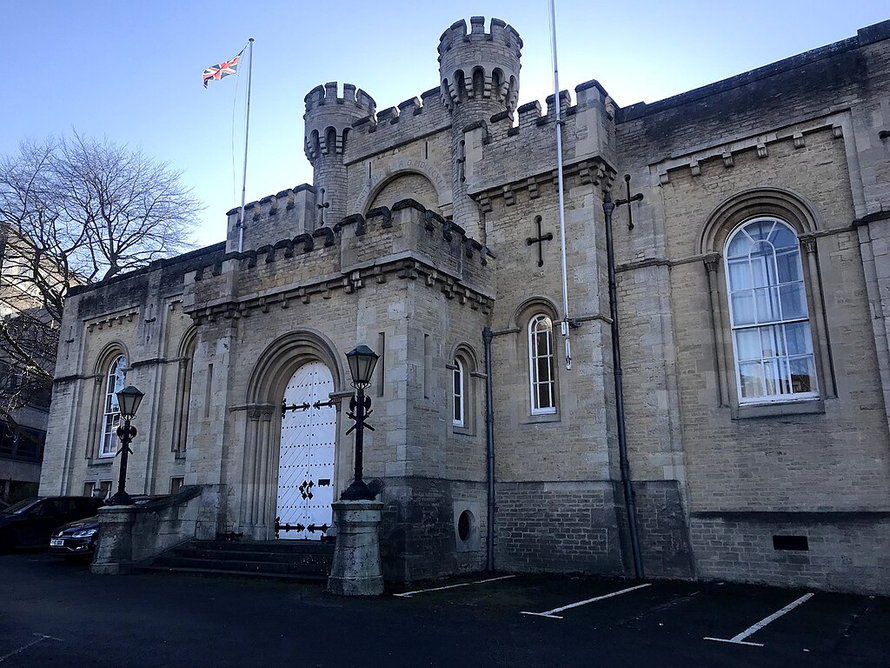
(57, 542)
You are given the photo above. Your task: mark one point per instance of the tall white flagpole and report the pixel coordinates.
(246, 139)
(564, 325)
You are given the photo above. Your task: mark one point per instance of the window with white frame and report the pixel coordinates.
(771, 335)
(111, 414)
(458, 394)
(541, 365)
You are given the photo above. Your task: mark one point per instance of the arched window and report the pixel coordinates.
(541, 366)
(771, 336)
(114, 382)
(458, 394)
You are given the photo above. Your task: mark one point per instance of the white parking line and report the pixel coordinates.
(407, 594)
(551, 615)
(740, 638)
(40, 638)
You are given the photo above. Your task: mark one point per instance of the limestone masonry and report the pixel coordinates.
(754, 306)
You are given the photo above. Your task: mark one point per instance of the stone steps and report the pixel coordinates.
(299, 561)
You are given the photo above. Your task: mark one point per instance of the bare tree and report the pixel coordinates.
(74, 211)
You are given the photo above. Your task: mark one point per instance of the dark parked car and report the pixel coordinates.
(30, 523)
(75, 539)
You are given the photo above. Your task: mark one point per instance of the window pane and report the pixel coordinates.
(797, 336)
(789, 266)
(803, 374)
(543, 369)
(793, 301)
(772, 342)
(740, 246)
(782, 237)
(743, 307)
(751, 379)
(748, 344)
(767, 304)
(545, 398)
(771, 377)
(740, 275)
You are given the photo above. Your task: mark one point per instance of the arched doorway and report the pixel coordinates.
(306, 454)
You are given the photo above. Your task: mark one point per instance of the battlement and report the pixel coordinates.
(326, 95)
(406, 240)
(500, 33)
(587, 131)
(410, 119)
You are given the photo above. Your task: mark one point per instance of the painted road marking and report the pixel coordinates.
(408, 594)
(40, 639)
(551, 615)
(740, 638)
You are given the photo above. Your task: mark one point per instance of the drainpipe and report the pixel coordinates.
(489, 442)
(629, 500)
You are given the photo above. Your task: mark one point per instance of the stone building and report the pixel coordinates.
(752, 290)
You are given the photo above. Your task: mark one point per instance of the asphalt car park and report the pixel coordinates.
(58, 613)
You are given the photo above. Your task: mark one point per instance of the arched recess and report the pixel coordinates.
(285, 355)
(757, 202)
(406, 185)
(463, 390)
(527, 313)
(401, 166)
(795, 210)
(265, 390)
(108, 355)
(186, 355)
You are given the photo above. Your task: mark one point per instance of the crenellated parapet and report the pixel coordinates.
(268, 219)
(329, 117)
(409, 120)
(405, 241)
(588, 134)
(479, 65)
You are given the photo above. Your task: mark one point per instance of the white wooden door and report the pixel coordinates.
(306, 464)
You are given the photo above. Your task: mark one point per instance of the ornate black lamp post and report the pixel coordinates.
(128, 400)
(362, 361)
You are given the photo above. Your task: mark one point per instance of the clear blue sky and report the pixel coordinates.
(131, 71)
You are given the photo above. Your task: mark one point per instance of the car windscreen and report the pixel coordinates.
(20, 507)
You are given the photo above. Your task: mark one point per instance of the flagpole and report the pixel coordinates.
(246, 139)
(564, 325)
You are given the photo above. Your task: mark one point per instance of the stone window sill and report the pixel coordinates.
(752, 411)
(544, 418)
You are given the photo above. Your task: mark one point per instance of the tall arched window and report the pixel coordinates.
(771, 335)
(458, 394)
(114, 382)
(540, 360)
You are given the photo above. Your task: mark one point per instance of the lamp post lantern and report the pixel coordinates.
(128, 400)
(362, 361)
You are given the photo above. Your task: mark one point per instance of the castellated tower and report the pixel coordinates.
(328, 121)
(479, 75)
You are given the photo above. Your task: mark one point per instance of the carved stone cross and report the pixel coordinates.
(540, 239)
(321, 207)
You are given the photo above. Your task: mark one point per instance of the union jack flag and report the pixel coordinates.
(224, 69)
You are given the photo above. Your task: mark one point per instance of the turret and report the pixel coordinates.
(328, 121)
(479, 77)
(480, 70)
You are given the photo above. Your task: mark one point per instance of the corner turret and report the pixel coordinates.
(328, 122)
(480, 67)
(479, 79)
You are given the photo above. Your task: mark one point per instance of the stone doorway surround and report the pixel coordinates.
(269, 378)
